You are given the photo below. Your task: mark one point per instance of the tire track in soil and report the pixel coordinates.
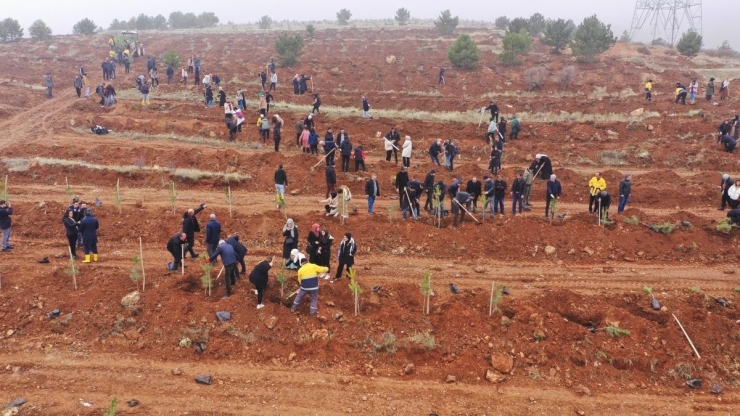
(55, 382)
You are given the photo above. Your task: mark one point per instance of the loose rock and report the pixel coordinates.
(450, 379)
(409, 368)
(131, 299)
(550, 250)
(502, 363)
(494, 377)
(271, 322)
(177, 371)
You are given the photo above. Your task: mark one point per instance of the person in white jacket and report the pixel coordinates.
(273, 81)
(733, 195)
(388, 144)
(406, 152)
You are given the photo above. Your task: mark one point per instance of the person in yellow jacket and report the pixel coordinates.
(111, 43)
(649, 90)
(595, 186)
(308, 280)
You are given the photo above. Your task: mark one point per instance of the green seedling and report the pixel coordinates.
(354, 286)
(426, 290)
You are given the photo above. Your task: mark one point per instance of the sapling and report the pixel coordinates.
(391, 212)
(141, 260)
(136, 271)
(173, 196)
(737, 289)
(117, 197)
(653, 302)
(724, 225)
(497, 294)
(615, 331)
(112, 408)
(229, 199)
(554, 209)
(343, 208)
(280, 199)
(426, 290)
(68, 189)
(437, 205)
(5, 188)
(72, 269)
(1, 278)
(355, 288)
(206, 278)
(484, 200)
(282, 279)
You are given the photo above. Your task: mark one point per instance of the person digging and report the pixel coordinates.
(604, 200)
(308, 281)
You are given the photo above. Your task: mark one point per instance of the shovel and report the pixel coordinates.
(323, 159)
(467, 212)
(411, 205)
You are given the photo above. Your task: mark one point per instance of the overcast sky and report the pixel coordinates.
(720, 16)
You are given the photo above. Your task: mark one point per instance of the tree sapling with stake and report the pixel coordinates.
(5, 188)
(136, 271)
(173, 196)
(426, 290)
(72, 269)
(68, 189)
(206, 278)
(229, 199)
(497, 294)
(282, 279)
(355, 288)
(117, 199)
(392, 208)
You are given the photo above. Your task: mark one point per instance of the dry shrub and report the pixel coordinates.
(565, 76)
(535, 77)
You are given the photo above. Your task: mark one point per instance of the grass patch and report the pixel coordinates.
(425, 339)
(615, 331)
(724, 225)
(472, 116)
(633, 220)
(665, 228)
(387, 343)
(682, 371)
(613, 157)
(24, 164)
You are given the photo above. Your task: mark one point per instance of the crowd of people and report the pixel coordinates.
(487, 196)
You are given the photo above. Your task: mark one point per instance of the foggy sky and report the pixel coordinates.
(719, 16)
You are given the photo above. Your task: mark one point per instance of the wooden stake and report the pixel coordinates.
(429, 293)
(141, 259)
(72, 262)
(219, 272)
(490, 304)
(230, 216)
(118, 194)
(182, 259)
(5, 197)
(687, 336)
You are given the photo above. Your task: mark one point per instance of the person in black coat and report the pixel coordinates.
(402, 180)
(70, 227)
(331, 178)
(221, 97)
(345, 149)
(734, 216)
(346, 255)
(259, 277)
(323, 251)
(290, 232)
(174, 246)
(89, 230)
(170, 73)
(190, 227)
(544, 166)
(429, 186)
(303, 86)
(240, 250)
(473, 187)
(604, 200)
(394, 137)
(493, 107)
